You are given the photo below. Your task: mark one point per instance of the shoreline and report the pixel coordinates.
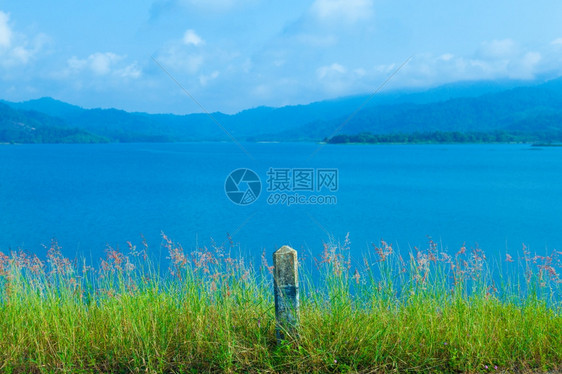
(533, 144)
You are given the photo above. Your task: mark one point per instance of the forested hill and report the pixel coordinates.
(479, 111)
(22, 126)
(524, 113)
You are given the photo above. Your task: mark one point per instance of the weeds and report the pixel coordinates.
(210, 312)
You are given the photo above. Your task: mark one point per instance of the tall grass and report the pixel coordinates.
(210, 312)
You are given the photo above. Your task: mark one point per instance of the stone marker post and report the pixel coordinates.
(286, 290)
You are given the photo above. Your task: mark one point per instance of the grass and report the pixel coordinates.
(213, 313)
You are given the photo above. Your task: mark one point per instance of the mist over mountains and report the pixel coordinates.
(507, 106)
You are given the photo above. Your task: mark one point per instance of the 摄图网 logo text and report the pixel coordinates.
(285, 186)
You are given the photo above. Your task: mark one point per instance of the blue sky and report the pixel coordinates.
(237, 54)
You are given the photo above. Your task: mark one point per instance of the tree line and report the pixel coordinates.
(498, 136)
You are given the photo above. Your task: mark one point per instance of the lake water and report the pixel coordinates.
(91, 196)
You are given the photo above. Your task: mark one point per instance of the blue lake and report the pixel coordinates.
(91, 196)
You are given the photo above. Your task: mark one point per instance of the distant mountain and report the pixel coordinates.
(49, 106)
(461, 107)
(22, 126)
(524, 109)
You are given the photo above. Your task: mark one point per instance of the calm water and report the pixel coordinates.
(91, 196)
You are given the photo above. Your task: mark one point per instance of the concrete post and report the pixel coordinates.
(286, 290)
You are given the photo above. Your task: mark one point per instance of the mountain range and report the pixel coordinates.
(509, 106)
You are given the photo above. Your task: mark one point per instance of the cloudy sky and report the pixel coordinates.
(236, 54)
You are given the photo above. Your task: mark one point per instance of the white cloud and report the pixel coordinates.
(503, 59)
(179, 60)
(102, 64)
(446, 57)
(261, 90)
(22, 54)
(204, 79)
(5, 31)
(496, 59)
(360, 72)
(130, 71)
(557, 42)
(499, 49)
(191, 38)
(526, 67)
(17, 49)
(330, 70)
(348, 10)
(75, 63)
(532, 58)
(98, 63)
(335, 79)
(506, 59)
(384, 68)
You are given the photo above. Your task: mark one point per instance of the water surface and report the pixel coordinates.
(91, 196)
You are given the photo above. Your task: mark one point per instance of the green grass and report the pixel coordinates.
(212, 313)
